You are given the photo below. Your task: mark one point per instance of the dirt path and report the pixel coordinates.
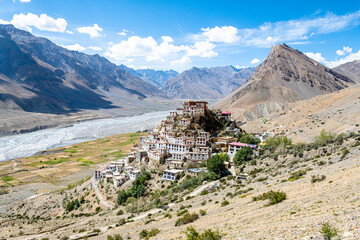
(100, 196)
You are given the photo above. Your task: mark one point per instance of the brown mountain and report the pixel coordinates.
(350, 69)
(286, 75)
(37, 75)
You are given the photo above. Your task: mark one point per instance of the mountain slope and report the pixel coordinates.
(206, 83)
(37, 75)
(285, 76)
(157, 78)
(350, 69)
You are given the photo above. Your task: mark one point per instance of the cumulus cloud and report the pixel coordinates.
(151, 50)
(96, 48)
(93, 31)
(225, 34)
(182, 61)
(123, 32)
(316, 56)
(74, 47)
(69, 32)
(42, 22)
(344, 51)
(202, 49)
(25, 1)
(296, 31)
(349, 58)
(254, 61)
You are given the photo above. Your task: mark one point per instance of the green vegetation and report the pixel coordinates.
(247, 138)
(187, 218)
(56, 161)
(243, 155)
(315, 179)
(279, 144)
(192, 234)
(137, 189)
(3, 191)
(328, 231)
(274, 197)
(148, 234)
(115, 237)
(216, 164)
(297, 175)
(7, 178)
(224, 203)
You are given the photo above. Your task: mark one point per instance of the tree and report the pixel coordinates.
(250, 139)
(243, 155)
(216, 164)
(122, 197)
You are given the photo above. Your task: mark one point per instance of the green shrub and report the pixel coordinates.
(328, 231)
(120, 212)
(202, 212)
(187, 218)
(315, 179)
(274, 197)
(297, 175)
(192, 234)
(147, 234)
(115, 237)
(224, 203)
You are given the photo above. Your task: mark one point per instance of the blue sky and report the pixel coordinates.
(182, 34)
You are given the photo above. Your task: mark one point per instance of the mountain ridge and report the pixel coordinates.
(206, 83)
(286, 75)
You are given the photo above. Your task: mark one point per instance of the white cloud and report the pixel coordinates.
(74, 47)
(344, 51)
(202, 49)
(225, 34)
(42, 22)
(123, 32)
(69, 32)
(268, 34)
(96, 48)
(182, 61)
(254, 61)
(25, 1)
(349, 58)
(93, 31)
(316, 56)
(167, 39)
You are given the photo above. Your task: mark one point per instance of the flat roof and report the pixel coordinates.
(239, 144)
(173, 170)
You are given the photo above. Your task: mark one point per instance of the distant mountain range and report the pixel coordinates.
(157, 78)
(39, 76)
(350, 69)
(286, 75)
(206, 83)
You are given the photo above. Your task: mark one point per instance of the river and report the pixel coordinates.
(27, 144)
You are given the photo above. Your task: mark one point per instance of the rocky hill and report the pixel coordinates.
(286, 75)
(350, 69)
(157, 78)
(206, 83)
(39, 76)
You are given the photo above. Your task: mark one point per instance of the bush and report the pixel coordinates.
(328, 231)
(224, 203)
(202, 212)
(115, 237)
(120, 212)
(242, 156)
(187, 218)
(274, 197)
(247, 138)
(148, 234)
(297, 175)
(315, 179)
(192, 234)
